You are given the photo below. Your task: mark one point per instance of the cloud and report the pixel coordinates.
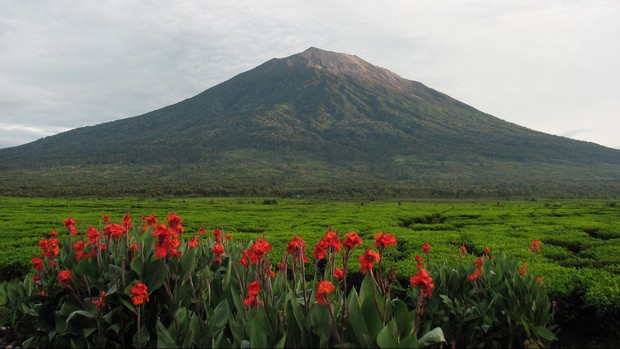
(79, 63)
(13, 134)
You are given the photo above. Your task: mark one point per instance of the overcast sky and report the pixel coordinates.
(552, 66)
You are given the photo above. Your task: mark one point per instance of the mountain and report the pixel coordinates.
(315, 122)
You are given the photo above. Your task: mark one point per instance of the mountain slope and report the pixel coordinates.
(315, 119)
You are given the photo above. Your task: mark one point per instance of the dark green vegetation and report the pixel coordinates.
(315, 123)
(579, 262)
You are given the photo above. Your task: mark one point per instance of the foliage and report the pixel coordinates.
(503, 306)
(124, 285)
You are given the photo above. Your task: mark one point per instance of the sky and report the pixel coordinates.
(551, 66)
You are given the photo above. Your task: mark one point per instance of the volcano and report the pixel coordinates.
(317, 122)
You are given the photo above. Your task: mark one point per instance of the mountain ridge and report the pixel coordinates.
(314, 111)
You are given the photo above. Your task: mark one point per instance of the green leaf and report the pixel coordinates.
(164, 338)
(136, 265)
(431, 337)
(220, 317)
(386, 337)
(544, 333)
(358, 324)
(188, 263)
(154, 274)
(259, 330)
(80, 312)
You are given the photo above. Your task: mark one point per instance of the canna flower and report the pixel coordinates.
(37, 263)
(487, 251)
(476, 274)
(149, 221)
(351, 239)
(127, 221)
(383, 240)
(464, 249)
(331, 240)
(174, 222)
(478, 262)
(535, 246)
(426, 247)
(70, 224)
(423, 281)
(115, 231)
(297, 248)
(106, 219)
(253, 289)
(64, 276)
(368, 259)
(227, 236)
(523, 269)
(217, 234)
(193, 242)
(201, 231)
(338, 273)
(218, 251)
(139, 293)
(419, 262)
(134, 247)
(99, 302)
(93, 235)
(323, 289)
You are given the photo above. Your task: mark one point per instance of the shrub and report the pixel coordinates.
(124, 285)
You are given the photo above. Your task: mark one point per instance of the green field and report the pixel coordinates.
(580, 259)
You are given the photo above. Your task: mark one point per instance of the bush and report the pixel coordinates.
(148, 286)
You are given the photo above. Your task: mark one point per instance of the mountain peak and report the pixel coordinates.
(346, 64)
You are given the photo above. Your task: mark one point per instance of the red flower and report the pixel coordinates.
(37, 263)
(384, 240)
(418, 260)
(320, 250)
(479, 262)
(115, 231)
(323, 289)
(127, 221)
(338, 273)
(253, 289)
(426, 247)
(258, 250)
(174, 222)
(63, 277)
(331, 240)
(368, 259)
(70, 224)
(93, 235)
(523, 269)
(463, 249)
(134, 247)
(473, 276)
(193, 242)
(424, 281)
(218, 251)
(139, 293)
(227, 236)
(351, 239)
(535, 247)
(217, 234)
(99, 302)
(297, 248)
(150, 221)
(487, 251)
(106, 218)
